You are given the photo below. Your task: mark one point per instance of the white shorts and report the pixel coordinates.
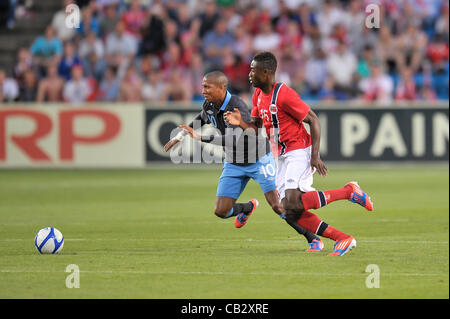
(294, 171)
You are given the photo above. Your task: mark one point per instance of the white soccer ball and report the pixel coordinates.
(49, 240)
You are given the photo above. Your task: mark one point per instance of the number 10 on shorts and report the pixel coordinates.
(268, 170)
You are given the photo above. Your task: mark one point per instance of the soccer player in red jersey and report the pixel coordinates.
(282, 112)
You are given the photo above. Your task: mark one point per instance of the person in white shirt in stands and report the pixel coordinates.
(9, 90)
(76, 90)
(121, 42)
(267, 40)
(59, 22)
(341, 66)
(378, 87)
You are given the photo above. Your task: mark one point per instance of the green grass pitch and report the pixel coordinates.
(152, 234)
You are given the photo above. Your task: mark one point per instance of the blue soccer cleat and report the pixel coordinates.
(316, 245)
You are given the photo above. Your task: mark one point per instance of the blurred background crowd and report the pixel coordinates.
(156, 51)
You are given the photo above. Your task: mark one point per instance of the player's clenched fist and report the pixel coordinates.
(233, 118)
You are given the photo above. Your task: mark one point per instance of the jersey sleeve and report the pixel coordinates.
(245, 112)
(291, 103)
(202, 117)
(254, 112)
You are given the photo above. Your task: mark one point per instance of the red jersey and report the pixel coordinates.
(283, 113)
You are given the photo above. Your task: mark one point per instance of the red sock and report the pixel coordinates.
(334, 234)
(309, 221)
(314, 224)
(317, 199)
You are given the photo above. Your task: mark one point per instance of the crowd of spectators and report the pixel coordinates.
(157, 51)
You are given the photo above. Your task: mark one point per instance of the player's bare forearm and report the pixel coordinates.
(314, 128)
(170, 144)
(190, 131)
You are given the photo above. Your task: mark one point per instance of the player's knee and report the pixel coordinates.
(291, 205)
(220, 213)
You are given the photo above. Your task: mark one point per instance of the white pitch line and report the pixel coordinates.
(214, 273)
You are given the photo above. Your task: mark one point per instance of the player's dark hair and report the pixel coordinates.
(266, 60)
(218, 77)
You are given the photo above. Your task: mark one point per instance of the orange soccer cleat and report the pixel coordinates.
(241, 219)
(359, 197)
(343, 246)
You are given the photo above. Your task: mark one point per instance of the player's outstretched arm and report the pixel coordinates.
(314, 125)
(171, 144)
(190, 131)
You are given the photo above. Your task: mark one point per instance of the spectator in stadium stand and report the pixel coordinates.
(176, 89)
(134, 18)
(291, 41)
(59, 22)
(109, 86)
(328, 16)
(50, 88)
(378, 87)
(341, 65)
(121, 42)
(251, 19)
(326, 93)
(311, 41)
(9, 90)
(243, 44)
(231, 16)
(196, 75)
(208, 18)
(411, 48)
(290, 57)
(406, 87)
(386, 48)
(171, 31)
(153, 88)
(24, 63)
(237, 71)
(88, 23)
(153, 40)
(188, 42)
(316, 71)
(363, 68)
(215, 45)
(305, 17)
(108, 20)
(46, 50)
(130, 87)
(28, 91)
(91, 44)
(267, 39)
(437, 53)
(442, 24)
(94, 66)
(183, 19)
(68, 60)
(354, 20)
(273, 7)
(77, 90)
